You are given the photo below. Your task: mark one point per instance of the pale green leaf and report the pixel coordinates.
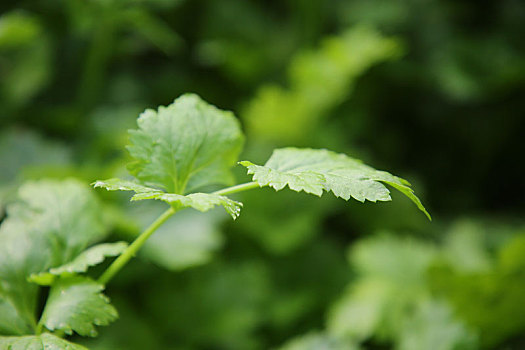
(184, 146)
(44, 341)
(314, 171)
(319, 341)
(49, 225)
(77, 304)
(200, 201)
(391, 277)
(10, 320)
(187, 239)
(360, 311)
(122, 185)
(319, 80)
(433, 325)
(90, 257)
(465, 247)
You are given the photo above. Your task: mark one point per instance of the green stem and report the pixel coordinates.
(238, 188)
(39, 328)
(130, 252)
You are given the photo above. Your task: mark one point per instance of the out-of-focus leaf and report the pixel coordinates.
(359, 313)
(502, 286)
(77, 304)
(465, 248)
(318, 341)
(315, 171)
(44, 341)
(391, 278)
(319, 80)
(392, 301)
(434, 326)
(52, 222)
(512, 256)
(90, 257)
(25, 58)
(18, 29)
(186, 240)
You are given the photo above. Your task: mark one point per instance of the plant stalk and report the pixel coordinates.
(130, 252)
(238, 188)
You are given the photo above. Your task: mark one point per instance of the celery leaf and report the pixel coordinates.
(316, 170)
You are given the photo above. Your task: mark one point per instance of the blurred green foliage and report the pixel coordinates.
(432, 90)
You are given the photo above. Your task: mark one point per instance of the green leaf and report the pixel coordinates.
(314, 171)
(90, 257)
(318, 80)
(200, 201)
(179, 148)
(500, 284)
(433, 325)
(77, 304)
(45, 341)
(184, 146)
(49, 225)
(26, 58)
(188, 239)
(390, 299)
(317, 341)
(360, 311)
(122, 185)
(10, 320)
(391, 276)
(17, 29)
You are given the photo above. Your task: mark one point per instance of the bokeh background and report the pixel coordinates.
(431, 90)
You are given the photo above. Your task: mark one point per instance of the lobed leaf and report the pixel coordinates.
(390, 278)
(434, 325)
(317, 170)
(44, 341)
(184, 146)
(115, 184)
(200, 201)
(179, 148)
(90, 257)
(77, 304)
(49, 225)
